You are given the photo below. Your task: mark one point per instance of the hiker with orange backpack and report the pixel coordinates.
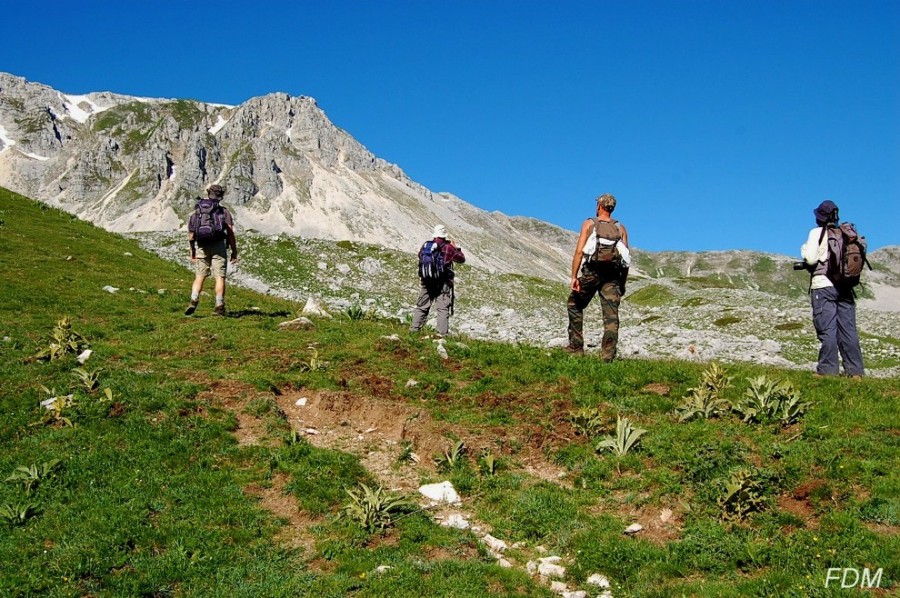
(602, 258)
(834, 254)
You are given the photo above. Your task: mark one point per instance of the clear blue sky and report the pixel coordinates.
(717, 124)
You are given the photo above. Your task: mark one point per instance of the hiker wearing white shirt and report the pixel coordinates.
(833, 307)
(602, 259)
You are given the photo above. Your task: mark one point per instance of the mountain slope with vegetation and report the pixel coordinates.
(213, 456)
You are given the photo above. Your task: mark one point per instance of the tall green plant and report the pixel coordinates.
(626, 437)
(375, 509)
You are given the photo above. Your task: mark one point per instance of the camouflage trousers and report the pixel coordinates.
(607, 287)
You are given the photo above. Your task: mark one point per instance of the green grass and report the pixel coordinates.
(153, 493)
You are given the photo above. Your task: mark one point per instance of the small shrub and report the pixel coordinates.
(90, 380)
(375, 509)
(355, 312)
(63, 341)
(742, 495)
(488, 463)
(587, 421)
(768, 400)
(706, 399)
(406, 453)
(33, 475)
(453, 457)
(626, 437)
(56, 406)
(19, 513)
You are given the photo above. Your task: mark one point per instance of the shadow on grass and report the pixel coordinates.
(258, 313)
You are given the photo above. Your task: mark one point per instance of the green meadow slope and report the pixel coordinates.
(179, 460)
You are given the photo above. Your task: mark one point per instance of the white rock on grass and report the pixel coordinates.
(601, 581)
(494, 544)
(633, 529)
(84, 356)
(313, 308)
(110, 289)
(296, 324)
(456, 521)
(411, 383)
(442, 492)
(551, 570)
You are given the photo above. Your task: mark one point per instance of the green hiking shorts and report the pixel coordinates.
(212, 259)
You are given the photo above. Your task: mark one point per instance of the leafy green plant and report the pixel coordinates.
(406, 453)
(767, 400)
(489, 463)
(452, 457)
(374, 509)
(742, 495)
(314, 363)
(63, 341)
(18, 513)
(701, 403)
(32, 475)
(55, 408)
(355, 312)
(705, 400)
(587, 421)
(90, 380)
(626, 437)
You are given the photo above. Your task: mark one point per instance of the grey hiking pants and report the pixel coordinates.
(834, 316)
(441, 297)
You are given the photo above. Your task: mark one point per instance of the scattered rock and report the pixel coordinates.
(601, 581)
(84, 356)
(127, 254)
(633, 529)
(301, 402)
(296, 324)
(494, 544)
(382, 568)
(110, 289)
(456, 521)
(313, 308)
(442, 492)
(411, 383)
(311, 431)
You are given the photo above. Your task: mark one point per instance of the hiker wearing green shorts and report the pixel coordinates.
(211, 234)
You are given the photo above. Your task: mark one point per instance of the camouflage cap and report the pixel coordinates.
(607, 201)
(216, 190)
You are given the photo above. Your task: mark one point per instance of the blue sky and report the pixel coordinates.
(717, 124)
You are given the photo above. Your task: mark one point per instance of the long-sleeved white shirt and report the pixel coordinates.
(813, 253)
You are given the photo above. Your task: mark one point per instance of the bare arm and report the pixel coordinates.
(586, 229)
(624, 235)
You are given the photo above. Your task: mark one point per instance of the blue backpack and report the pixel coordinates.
(431, 262)
(208, 221)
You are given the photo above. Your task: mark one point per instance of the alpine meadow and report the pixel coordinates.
(239, 456)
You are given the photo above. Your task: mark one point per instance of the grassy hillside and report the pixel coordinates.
(212, 456)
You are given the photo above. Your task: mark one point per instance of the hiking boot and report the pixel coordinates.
(219, 310)
(573, 350)
(191, 308)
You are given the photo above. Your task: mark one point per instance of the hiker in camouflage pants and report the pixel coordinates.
(606, 280)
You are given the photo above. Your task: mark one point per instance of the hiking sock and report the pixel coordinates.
(195, 297)
(220, 300)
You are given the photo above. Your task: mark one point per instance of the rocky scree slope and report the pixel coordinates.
(136, 164)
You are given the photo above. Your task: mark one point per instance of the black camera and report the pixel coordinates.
(801, 266)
